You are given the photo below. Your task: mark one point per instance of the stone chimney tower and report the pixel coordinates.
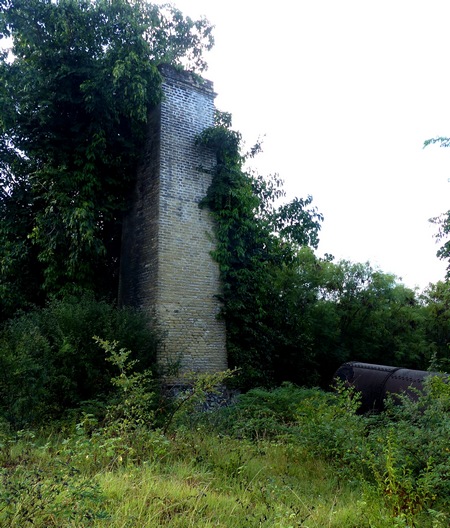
(166, 266)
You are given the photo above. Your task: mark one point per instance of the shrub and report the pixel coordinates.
(263, 413)
(49, 362)
(401, 455)
(408, 453)
(127, 434)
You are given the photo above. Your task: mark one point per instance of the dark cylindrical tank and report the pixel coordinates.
(375, 382)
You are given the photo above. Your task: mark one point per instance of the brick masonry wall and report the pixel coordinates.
(167, 269)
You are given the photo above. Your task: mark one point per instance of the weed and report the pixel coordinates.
(41, 492)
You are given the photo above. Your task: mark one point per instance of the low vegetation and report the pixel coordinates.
(50, 365)
(287, 457)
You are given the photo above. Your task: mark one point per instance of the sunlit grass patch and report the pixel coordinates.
(258, 493)
(183, 498)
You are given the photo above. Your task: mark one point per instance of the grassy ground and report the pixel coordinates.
(195, 480)
(287, 458)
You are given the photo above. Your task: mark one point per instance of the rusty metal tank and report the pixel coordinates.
(375, 382)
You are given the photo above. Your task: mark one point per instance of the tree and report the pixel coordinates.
(443, 220)
(436, 301)
(257, 251)
(75, 92)
(363, 314)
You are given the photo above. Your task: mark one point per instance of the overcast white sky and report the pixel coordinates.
(345, 93)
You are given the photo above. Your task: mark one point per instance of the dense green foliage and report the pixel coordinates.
(287, 457)
(289, 314)
(76, 87)
(366, 315)
(401, 454)
(75, 91)
(49, 362)
(256, 247)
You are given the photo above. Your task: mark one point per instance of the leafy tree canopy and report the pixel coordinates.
(442, 221)
(75, 90)
(289, 314)
(257, 250)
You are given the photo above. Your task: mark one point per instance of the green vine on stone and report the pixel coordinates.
(255, 240)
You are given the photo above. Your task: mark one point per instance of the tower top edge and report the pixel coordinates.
(170, 73)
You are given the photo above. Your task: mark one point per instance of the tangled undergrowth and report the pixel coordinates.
(283, 458)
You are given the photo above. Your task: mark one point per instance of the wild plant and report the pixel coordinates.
(408, 455)
(49, 364)
(41, 489)
(127, 433)
(191, 400)
(262, 414)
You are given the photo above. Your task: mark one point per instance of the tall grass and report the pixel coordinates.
(203, 480)
(286, 458)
